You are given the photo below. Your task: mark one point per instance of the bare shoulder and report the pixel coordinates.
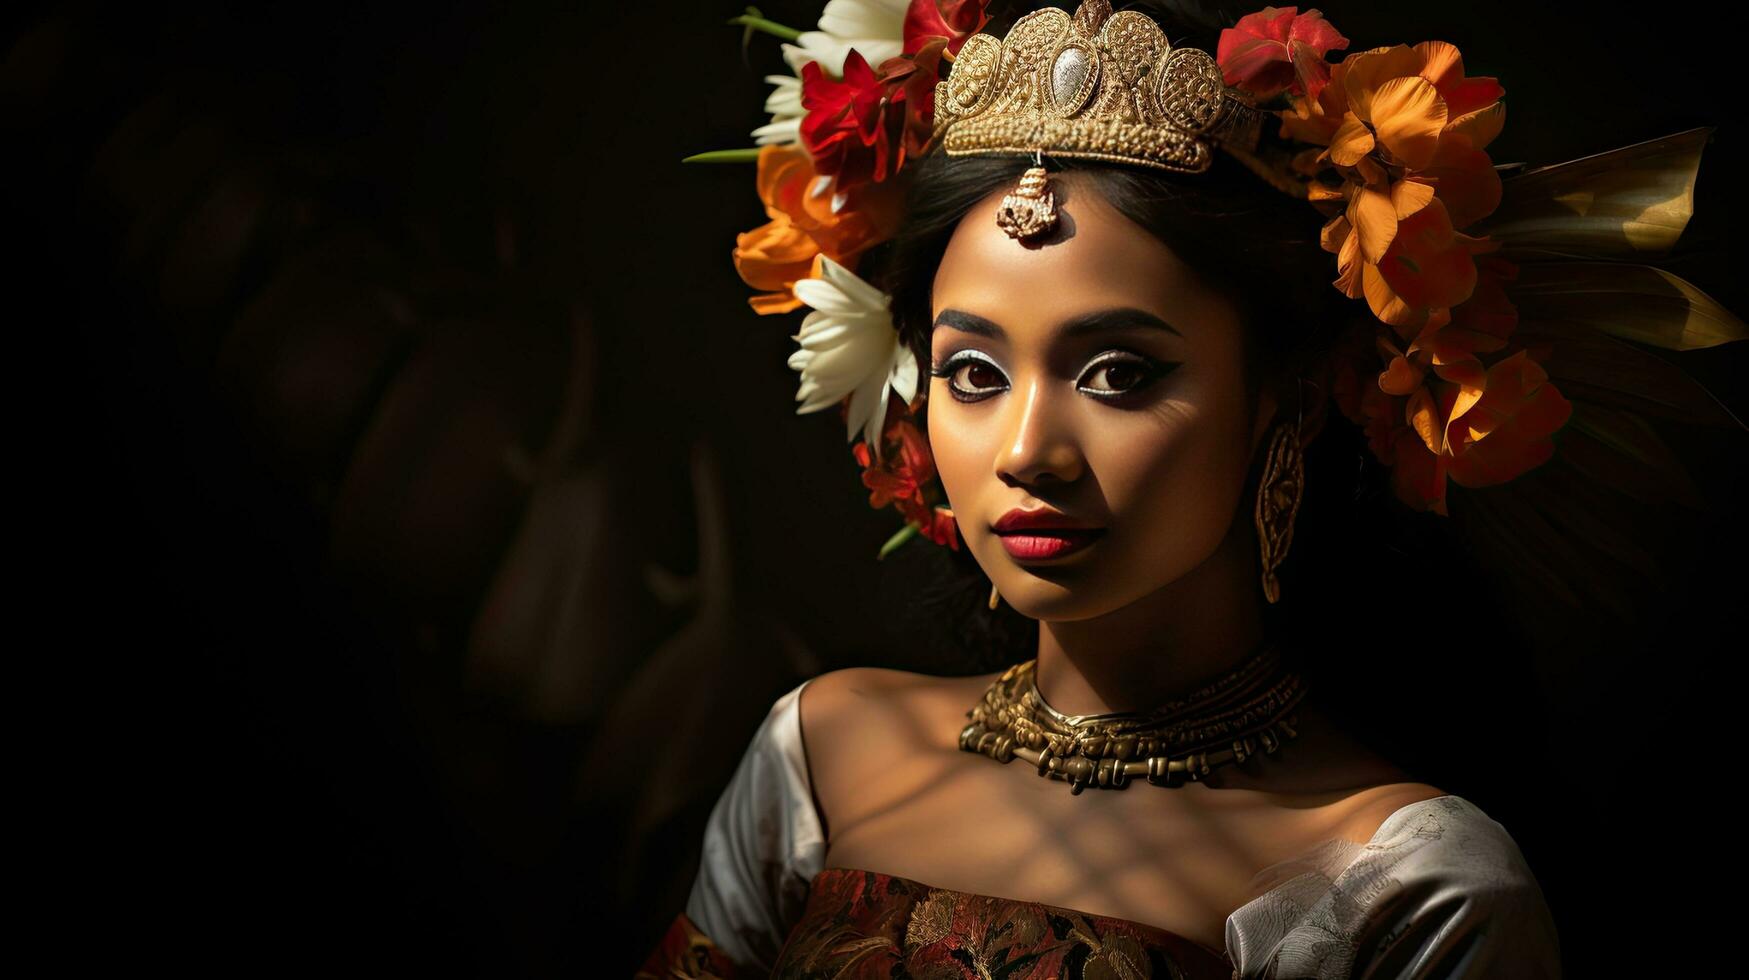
(1367, 810)
(856, 704)
(859, 723)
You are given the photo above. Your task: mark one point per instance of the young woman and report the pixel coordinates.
(1131, 354)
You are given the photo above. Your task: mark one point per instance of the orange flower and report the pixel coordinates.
(807, 220)
(1479, 427)
(1479, 325)
(1406, 130)
(1509, 431)
(1428, 268)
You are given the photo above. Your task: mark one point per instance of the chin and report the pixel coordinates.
(1086, 587)
(1056, 594)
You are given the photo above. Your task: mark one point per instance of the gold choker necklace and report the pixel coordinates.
(1183, 740)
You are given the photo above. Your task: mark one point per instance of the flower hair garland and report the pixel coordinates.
(831, 165)
(1389, 144)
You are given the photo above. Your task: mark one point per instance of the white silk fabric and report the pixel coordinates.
(1441, 890)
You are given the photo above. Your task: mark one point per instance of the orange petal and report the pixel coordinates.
(1400, 377)
(1427, 266)
(1408, 115)
(1351, 141)
(1368, 70)
(1422, 415)
(1464, 370)
(1481, 323)
(1410, 196)
(1442, 64)
(774, 255)
(768, 303)
(1467, 182)
(1466, 398)
(1348, 267)
(1512, 426)
(1479, 127)
(1386, 304)
(1334, 234)
(1374, 216)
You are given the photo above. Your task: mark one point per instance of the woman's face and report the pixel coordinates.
(1094, 376)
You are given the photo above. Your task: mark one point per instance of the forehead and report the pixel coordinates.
(1102, 259)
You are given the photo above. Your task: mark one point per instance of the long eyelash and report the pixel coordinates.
(951, 367)
(1152, 369)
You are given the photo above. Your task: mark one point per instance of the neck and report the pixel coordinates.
(1161, 646)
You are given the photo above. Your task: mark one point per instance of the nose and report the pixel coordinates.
(1039, 445)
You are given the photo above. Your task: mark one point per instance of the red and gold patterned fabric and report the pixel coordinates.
(687, 953)
(867, 924)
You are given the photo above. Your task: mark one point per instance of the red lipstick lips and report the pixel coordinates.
(1037, 535)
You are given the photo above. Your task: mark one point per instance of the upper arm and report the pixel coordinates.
(1466, 906)
(1496, 929)
(1441, 891)
(762, 845)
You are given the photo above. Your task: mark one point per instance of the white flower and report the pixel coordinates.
(875, 28)
(850, 347)
(785, 105)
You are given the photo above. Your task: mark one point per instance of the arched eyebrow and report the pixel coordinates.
(1099, 321)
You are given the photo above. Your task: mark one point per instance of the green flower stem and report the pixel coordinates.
(748, 155)
(904, 534)
(752, 20)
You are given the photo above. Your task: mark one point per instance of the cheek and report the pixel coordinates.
(1172, 474)
(953, 441)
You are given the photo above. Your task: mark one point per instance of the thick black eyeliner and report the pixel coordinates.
(1154, 370)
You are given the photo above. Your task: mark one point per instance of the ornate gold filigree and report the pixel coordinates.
(1031, 210)
(1097, 85)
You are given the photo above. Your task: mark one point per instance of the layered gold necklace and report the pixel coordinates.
(1226, 721)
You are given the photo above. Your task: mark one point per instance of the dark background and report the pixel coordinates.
(416, 523)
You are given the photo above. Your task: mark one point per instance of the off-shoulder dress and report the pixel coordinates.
(1441, 890)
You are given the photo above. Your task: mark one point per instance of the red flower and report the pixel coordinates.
(1277, 49)
(935, 523)
(906, 479)
(862, 128)
(899, 477)
(848, 129)
(954, 20)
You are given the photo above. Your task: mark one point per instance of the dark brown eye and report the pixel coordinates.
(981, 376)
(969, 378)
(1121, 374)
(1121, 377)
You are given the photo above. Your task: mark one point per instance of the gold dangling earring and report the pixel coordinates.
(1278, 501)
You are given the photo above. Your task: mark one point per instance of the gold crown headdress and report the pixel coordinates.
(1098, 85)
